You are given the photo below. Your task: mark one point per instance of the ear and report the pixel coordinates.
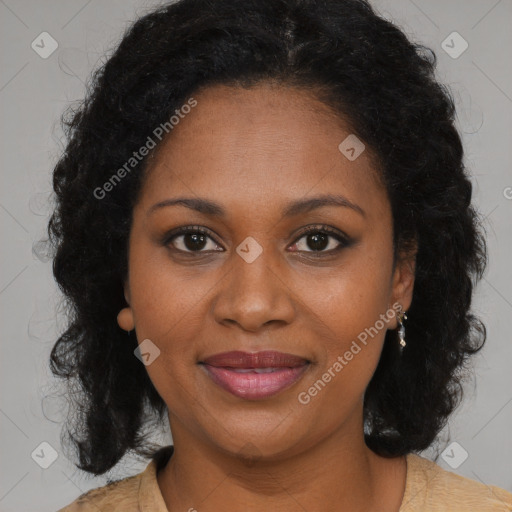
(125, 318)
(403, 278)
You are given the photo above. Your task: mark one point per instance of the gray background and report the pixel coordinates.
(33, 94)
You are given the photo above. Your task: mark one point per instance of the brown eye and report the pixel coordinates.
(317, 241)
(320, 240)
(192, 240)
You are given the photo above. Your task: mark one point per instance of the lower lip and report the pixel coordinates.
(255, 386)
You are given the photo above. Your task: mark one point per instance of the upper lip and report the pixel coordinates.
(263, 359)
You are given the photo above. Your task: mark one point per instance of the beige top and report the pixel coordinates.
(429, 488)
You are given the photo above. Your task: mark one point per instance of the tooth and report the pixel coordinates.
(255, 370)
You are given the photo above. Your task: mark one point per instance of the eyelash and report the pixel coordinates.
(344, 241)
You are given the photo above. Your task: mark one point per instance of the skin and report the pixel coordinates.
(253, 151)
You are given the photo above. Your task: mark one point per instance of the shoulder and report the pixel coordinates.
(131, 494)
(430, 487)
(121, 495)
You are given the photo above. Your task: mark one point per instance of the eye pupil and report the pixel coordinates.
(318, 241)
(194, 241)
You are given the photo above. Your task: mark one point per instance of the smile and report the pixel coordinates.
(255, 376)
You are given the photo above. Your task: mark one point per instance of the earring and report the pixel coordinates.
(401, 330)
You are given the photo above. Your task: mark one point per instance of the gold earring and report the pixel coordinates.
(401, 330)
(125, 319)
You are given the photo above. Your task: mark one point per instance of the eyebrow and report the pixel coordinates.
(292, 208)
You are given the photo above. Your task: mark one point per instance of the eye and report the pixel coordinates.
(192, 239)
(314, 239)
(320, 239)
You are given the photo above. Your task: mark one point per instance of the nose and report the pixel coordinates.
(254, 295)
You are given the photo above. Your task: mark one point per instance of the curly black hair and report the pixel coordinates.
(365, 69)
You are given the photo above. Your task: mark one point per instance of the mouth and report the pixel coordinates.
(254, 376)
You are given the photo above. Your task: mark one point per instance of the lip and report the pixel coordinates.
(256, 375)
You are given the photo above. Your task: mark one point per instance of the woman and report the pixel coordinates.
(264, 230)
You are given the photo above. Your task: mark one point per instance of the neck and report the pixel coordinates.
(338, 473)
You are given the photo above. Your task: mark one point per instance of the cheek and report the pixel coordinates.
(169, 308)
(168, 311)
(355, 302)
(351, 298)
(166, 299)
(351, 308)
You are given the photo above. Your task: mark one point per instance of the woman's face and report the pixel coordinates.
(267, 158)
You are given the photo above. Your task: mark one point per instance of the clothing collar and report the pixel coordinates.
(151, 499)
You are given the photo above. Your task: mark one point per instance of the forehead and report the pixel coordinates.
(260, 146)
